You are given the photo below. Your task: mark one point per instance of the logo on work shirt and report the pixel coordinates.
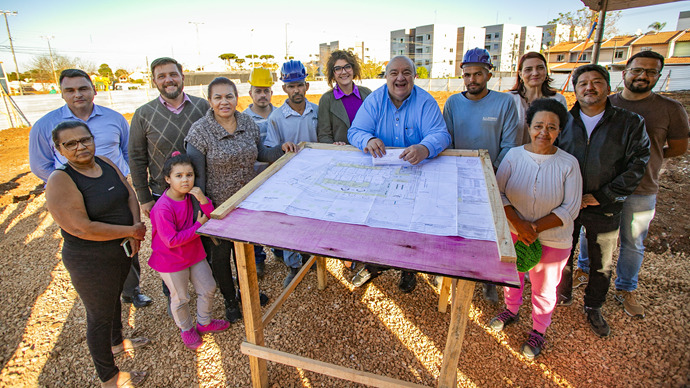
(485, 118)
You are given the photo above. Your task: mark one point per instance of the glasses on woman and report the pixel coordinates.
(639, 70)
(338, 69)
(73, 144)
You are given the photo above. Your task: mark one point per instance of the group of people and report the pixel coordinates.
(564, 177)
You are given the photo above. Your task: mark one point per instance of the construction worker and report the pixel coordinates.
(295, 121)
(260, 91)
(480, 118)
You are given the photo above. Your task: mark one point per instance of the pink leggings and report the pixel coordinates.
(544, 277)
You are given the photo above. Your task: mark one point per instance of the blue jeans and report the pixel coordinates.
(638, 212)
(292, 259)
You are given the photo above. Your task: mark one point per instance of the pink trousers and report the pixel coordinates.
(544, 277)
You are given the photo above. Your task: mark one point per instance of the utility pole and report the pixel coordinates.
(286, 42)
(50, 51)
(7, 24)
(198, 45)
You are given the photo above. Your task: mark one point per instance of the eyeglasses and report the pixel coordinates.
(639, 71)
(338, 69)
(73, 144)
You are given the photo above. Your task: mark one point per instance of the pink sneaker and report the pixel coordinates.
(191, 338)
(216, 326)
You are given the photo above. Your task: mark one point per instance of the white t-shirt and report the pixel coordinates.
(591, 122)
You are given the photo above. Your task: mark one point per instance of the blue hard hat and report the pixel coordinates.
(477, 55)
(292, 71)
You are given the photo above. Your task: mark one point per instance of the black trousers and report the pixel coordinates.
(602, 240)
(98, 276)
(219, 257)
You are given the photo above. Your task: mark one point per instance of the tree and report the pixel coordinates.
(41, 69)
(312, 70)
(267, 57)
(371, 69)
(121, 73)
(422, 72)
(657, 26)
(228, 58)
(240, 61)
(105, 71)
(584, 18)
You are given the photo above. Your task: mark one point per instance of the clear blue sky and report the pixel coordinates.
(123, 33)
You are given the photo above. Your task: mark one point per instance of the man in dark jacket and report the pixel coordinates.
(612, 147)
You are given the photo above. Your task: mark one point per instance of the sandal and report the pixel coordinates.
(129, 380)
(129, 344)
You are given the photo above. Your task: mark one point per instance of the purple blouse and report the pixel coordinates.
(351, 101)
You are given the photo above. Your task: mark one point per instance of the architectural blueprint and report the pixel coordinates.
(444, 196)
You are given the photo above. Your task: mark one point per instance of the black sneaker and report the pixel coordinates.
(363, 276)
(138, 300)
(233, 314)
(597, 321)
(408, 281)
(534, 345)
(503, 319)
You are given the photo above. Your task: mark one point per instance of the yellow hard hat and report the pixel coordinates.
(261, 78)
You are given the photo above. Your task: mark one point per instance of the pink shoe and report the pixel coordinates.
(216, 326)
(191, 338)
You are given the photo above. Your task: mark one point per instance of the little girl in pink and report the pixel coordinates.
(178, 255)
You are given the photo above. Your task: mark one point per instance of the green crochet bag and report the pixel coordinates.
(527, 255)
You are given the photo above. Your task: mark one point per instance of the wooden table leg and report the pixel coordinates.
(443, 297)
(251, 309)
(459, 313)
(321, 272)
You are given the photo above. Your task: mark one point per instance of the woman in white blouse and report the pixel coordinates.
(541, 189)
(532, 83)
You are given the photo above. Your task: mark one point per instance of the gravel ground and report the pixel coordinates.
(377, 329)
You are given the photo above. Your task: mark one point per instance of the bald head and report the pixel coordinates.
(402, 59)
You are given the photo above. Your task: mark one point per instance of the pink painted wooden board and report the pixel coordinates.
(443, 255)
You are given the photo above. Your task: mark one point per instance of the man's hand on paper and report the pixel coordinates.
(375, 147)
(414, 153)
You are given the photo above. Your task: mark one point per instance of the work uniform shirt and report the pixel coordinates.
(285, 124)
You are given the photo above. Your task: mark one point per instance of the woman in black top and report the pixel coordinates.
(97, 212)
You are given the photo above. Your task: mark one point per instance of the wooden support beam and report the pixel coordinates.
(251, 308)
(456, 332)
(273, 309)
(506, 249)
(323, 367)
(321, 272)
(443, 296)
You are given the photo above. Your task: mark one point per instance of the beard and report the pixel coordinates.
(641, 87)
(170, 95)
(476, 89)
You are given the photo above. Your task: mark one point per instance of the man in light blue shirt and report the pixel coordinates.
(110, 129)
(111, 136)
(480, 118)
(296, 119)
(398, 114)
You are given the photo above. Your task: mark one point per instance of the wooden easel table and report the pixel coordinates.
(462, 260)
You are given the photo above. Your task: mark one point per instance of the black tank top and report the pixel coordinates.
(105, 199)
